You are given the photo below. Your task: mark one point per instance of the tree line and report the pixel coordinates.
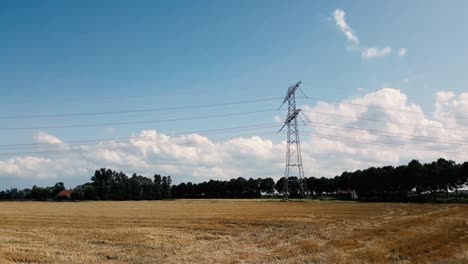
(105, 185)
(411, 182)
(111, 185)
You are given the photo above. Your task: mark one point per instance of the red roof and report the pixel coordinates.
(64, 193)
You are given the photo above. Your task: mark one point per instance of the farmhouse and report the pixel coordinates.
(64, 195)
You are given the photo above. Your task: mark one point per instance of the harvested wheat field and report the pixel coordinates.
(232, 231)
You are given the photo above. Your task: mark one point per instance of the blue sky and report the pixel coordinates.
(87, 56)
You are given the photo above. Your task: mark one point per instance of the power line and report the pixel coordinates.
(225, 115)
(264, 125)
(380, 107)
(324, 136)
(364, 105)
(214, 131)
(120, 147)
(319, 124)
(346, 139)
(386, 121)
(216, 105)
(140, 138)
(138, 122)
(234, 129)
(393, 134)
(139, 110)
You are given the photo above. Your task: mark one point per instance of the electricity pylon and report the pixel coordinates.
(293, 150)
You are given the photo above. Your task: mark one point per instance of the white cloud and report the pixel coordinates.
(330, 145)
(451, 109)
(34, 168)
(366, 53)
(360, 89)
(339, 17)
(369, 53)
(44, 138)
(402, 52)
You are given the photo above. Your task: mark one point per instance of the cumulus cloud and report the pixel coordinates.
(34, 168)
(369, 53)
(451, 109)
(350, 135)
(341, 136)
(48, 142)
(339, 17)
(45, 138)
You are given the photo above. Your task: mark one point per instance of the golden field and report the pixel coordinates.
(232, 231)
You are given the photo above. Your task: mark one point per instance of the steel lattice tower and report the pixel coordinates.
(293, 151)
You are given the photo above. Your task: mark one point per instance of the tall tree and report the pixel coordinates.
(58, 187)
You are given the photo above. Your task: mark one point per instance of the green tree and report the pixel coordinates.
(58, 187)
(40, 193)
(267, 186)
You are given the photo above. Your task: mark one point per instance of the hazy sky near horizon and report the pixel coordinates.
(60, 57)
